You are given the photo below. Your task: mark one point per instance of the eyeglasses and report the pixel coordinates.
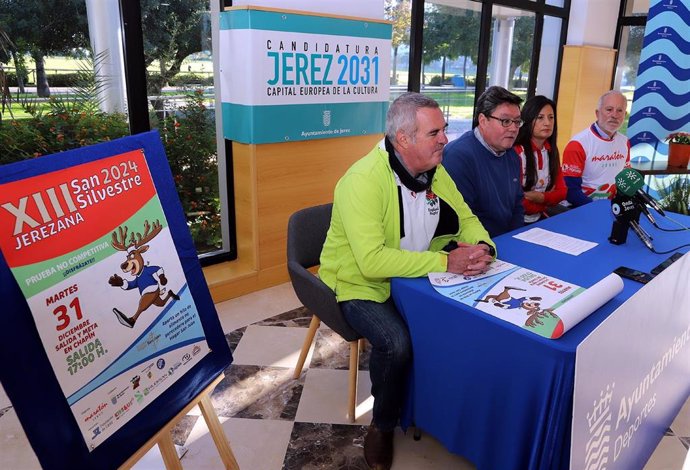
(507, 122)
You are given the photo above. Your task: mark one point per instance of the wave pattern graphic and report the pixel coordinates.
(666, 61)
(659, 90)
(666, 19)
(661, 116)
(660, 74)
(662, 89)
(665, 40)
(650, 131)
(679, 7)
(598, 447)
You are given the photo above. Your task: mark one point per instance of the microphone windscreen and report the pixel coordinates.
(629, 181)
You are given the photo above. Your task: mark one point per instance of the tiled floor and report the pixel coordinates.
(274, 422)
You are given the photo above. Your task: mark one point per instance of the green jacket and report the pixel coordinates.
(362, 249)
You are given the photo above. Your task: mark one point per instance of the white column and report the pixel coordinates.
(548, 56)
(105, 32)
(502, 47)
(593, 22)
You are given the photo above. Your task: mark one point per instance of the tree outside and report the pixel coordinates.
(172, 32)
(521, 56)
(450, 33)
(40, 29)
(190, 143)
(398, 11)
(70, 118)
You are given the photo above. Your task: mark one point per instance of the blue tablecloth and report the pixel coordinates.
(495, 393)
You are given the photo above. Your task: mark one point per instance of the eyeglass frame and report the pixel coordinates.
(518, 122)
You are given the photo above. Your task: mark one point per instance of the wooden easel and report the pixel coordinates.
(164, 439)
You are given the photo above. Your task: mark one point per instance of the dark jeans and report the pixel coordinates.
(391, 355)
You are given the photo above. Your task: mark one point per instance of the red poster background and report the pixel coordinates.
(100, 214)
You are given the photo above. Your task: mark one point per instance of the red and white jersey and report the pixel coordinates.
(597, 161)
(541, 157)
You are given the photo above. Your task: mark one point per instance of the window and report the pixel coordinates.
(512, 41)
(549, 54)
(636, 8)
(73, 52)
(449, 61)
(469, 45)
(398, 12)
(629, 39)
(64, 78)
(628, 57)
(178, 56)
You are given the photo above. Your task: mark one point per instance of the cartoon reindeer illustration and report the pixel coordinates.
(148, 279)
(535, 314)
(507, 301)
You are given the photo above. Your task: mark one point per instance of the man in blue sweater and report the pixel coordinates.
(484, 165)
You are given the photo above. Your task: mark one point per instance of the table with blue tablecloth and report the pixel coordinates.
(498, 394)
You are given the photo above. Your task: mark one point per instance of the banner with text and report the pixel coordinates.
(90, 248)
(287, 76)
(631, 375)
(662, 84)
(539, 303)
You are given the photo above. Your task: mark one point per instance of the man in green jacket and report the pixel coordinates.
(397, 213)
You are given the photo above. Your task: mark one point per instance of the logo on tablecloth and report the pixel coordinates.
(599, 425)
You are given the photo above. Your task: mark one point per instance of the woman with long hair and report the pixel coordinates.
(542, 181)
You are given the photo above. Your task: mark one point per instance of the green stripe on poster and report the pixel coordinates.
(57, 269)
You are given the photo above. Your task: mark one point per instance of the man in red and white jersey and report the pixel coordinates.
(594, 157)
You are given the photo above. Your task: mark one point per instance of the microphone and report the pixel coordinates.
(641, 234)
(630, 183)
(647, 214)
(627, 214)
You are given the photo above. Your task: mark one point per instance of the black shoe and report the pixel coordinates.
(123, 319)
(378, 448)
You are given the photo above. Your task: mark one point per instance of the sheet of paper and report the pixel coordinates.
(556, 241)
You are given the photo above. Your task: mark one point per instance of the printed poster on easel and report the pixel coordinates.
(91, 250)
(536, 302)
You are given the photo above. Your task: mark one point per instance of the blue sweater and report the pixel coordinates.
(489, 184)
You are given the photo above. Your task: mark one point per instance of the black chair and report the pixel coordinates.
(306, 235)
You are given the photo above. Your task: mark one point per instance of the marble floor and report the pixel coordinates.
(274, 422)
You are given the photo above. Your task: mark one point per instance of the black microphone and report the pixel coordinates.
(627, 214)
(630, 183)
(641, 234)
(643, 207)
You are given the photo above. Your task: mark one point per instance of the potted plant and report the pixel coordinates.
(678, 149)
(675, 197)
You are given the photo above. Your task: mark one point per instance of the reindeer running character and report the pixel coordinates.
(507, 301)
(535, 314)
(148, 279)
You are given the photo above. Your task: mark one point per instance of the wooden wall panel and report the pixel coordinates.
(271, 182)
(244, 170)
(586, 74)
(296, 175)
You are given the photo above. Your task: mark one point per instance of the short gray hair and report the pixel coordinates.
(492, 98)
(600, 103)
(402, 113)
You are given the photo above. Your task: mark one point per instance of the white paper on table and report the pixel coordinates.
(556, 241)
(572, 313)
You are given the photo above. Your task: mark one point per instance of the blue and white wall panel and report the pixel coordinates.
(660, 103)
